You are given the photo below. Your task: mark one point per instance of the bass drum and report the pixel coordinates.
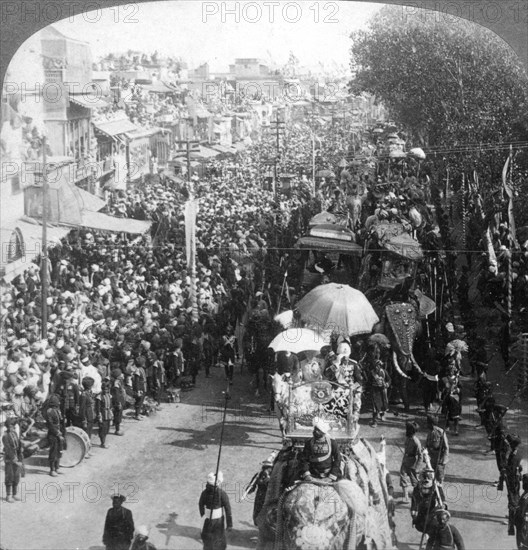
(77, 445)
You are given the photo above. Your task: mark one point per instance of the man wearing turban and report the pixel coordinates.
(321, 457)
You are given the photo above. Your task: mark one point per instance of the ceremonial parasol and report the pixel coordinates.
(325, 174)
(338, 308)
(285, 318)
(417, 153)
(298, 340)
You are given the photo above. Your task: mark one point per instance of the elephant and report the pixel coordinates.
(351, 513)
(402, 325)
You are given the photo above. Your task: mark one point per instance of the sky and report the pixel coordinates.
(200, 31)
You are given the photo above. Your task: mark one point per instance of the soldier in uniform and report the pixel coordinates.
(521, 517)
(321, 457)
(55, 433)
(512, 475)
(412, 456)
(438, 448)
(13, 457)
(212, 504)
(426, 497)
(103, 413)
(118, 399)
(87, 408)
(139, 386)
(119, 526)
(444, 536)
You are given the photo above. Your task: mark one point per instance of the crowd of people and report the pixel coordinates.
(122, 333)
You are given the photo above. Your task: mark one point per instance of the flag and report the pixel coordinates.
(507, 187)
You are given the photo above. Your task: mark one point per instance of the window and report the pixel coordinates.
(15, 248)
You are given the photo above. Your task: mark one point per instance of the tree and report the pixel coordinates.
(449, 83)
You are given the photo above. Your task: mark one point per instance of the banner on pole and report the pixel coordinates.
(190, 212)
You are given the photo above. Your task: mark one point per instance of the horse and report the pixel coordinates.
(281, 396)
(290, 399)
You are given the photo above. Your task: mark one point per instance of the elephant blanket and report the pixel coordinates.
(313, 517)
(402, 319)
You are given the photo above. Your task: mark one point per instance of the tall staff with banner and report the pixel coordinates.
(190, 212)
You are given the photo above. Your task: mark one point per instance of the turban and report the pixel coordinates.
(321, 425)
(211, 478)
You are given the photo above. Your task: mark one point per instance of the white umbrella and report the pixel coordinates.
(338, 308)
(298, 340)
(285, 318)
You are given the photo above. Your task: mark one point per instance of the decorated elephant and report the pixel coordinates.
(351, 513)
(401, 324)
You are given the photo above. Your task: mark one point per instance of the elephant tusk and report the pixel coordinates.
(415, 363)
(397, 366)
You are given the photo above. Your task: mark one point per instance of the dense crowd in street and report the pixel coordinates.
(121, 333)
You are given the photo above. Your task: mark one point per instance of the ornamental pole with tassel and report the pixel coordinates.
(464, 213)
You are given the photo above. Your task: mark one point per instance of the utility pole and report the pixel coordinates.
(44, 254)
(186, 147)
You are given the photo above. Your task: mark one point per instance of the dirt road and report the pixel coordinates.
(161, 464)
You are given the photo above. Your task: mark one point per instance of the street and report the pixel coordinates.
(161, 464)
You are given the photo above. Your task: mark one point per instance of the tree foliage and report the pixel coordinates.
(448, 82)
(451, 85)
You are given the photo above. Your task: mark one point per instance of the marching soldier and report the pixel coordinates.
(426, 497)
(513, 480)
(411, 459)
(521, 517)
(438, 448)
(444, 536)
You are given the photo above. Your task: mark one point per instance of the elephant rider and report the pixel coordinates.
(426, 497)
(321, 457)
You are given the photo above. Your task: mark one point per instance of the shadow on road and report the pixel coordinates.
(475, 516)
(235, 434)
(170, 528)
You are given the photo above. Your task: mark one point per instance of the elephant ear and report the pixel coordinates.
(402, 320)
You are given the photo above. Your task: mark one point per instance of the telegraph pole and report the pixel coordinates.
(44, 254)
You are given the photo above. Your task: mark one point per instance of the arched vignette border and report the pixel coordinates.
(507, 18)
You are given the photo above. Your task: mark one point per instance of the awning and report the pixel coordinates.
(332, 231)
(103, 222)
(115, 127)
(88, 102)
(319, 243)
(32, 235)
(90, 202)
(158, 88)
